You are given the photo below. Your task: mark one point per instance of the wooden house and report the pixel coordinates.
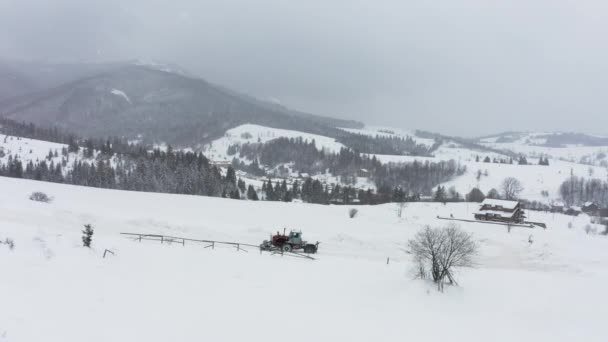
(500, 210)
(590, 208)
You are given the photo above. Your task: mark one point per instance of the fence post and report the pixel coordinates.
(387, 261)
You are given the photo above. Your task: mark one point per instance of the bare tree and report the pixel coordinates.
(511, 188)
(438, 251)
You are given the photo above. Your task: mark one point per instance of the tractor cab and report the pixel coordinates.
(295, 238)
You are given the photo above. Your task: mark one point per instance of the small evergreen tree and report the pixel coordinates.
(440, 195)
(493, 194)
(87, 236)
(475, 195)
(251, 193)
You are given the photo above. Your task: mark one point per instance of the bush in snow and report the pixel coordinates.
(40, 197)
(439, 251)
(352, 212)
(87, 236)
(590, 230)
(9, 242)
(570, 225)
(493, 194)
(475, 195)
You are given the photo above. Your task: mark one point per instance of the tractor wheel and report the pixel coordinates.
(286, 248)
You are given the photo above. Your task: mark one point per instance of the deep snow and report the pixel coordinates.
(53, 289)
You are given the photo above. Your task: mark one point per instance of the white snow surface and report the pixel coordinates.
(121, 94)
(239, 135)
(53, 289)
(534, 178)
(28, 149)
(530, 144)
(373, 131)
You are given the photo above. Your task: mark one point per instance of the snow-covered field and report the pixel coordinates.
(534, 178)
(531, 145)
(53, 289)
(250, 133)
(374, 131)
(28, 149)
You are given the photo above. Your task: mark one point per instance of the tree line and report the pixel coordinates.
(578, 190)
(414, 178)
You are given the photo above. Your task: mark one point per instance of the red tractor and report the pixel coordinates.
(289, 243)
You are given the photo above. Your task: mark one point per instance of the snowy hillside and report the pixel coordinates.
(535, 179)
(373, 131)
(36, 151)
(56, 290)
(27, 149)
(249, 133)
(535, 145)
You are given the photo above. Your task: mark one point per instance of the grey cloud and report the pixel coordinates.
(455, 66)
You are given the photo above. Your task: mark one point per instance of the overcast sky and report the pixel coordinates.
(465, 67)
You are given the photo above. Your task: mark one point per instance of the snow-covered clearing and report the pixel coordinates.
(534, 178)
(28, 149)
(374, 131)
(531, 145)
(121, 93)
(53, 289)
(250, 133)
(32, 150)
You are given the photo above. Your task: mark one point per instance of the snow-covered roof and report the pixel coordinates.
(500, 203)
(587, 204)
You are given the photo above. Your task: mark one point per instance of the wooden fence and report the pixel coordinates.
(181, 240)
(208, 243)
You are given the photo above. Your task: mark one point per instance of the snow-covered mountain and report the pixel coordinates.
(54, 289)
(150, 101)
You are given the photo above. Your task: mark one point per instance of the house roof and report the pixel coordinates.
(500, 203)
(587, 204)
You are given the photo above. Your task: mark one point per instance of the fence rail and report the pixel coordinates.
(210, 243)
(182, 240)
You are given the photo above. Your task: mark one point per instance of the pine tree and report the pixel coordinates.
(251, 193)
(87, 237)
(440, 195)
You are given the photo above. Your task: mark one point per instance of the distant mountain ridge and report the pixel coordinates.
(142, 101)
(546, 139)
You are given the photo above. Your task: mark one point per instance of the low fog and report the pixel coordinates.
(462, 67)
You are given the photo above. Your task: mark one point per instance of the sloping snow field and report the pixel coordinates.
(28, 149)
(53, 289)
(531, 144)
(250, 133)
